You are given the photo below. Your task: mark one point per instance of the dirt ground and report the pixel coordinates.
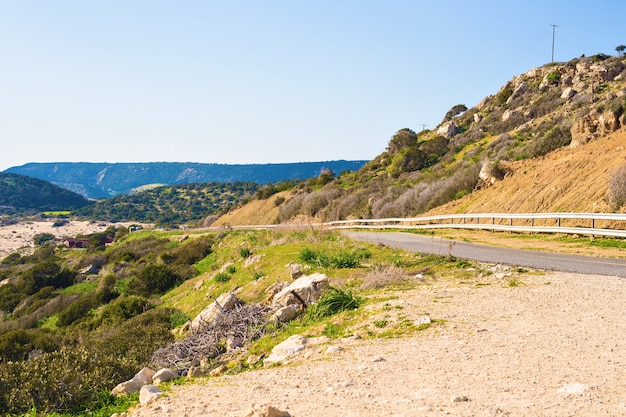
(551, 346)
(20, 236)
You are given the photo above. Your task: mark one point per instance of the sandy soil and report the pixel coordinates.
(20, 236)
(553, 346)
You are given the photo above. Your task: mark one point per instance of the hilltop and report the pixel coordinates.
(551, 139)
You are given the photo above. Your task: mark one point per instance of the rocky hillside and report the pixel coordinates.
(538, 144)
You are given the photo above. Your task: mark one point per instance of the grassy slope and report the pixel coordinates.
(255, 212)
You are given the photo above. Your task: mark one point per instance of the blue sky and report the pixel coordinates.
(263, 81)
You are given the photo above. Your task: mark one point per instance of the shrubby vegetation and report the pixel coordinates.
(172, 205)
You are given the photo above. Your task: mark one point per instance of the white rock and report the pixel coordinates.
(309, 288)
(286, 349)
(575, 388)
(163, 375)
(149, 393)
(226, 301)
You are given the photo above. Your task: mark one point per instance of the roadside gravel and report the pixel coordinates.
(551, 346)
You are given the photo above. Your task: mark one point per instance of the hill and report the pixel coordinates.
(171, 205)
(20, 193)
(103, 180)
(548, 140)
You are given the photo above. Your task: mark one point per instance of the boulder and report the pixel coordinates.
(251, 260)
(285, 350)
(141, 378)
(519, 91)
(568, 93)
(149, 393)
(447, 130)
(226, 301)
(513, 115)
(307, 288)
(287, 313)
(163, 375)
(490, 173)
(295, 270)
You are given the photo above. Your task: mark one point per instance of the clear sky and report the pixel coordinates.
(264, 81)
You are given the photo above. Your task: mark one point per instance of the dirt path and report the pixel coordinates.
(553, 346)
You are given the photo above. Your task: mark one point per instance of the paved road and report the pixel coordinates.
(492, 254)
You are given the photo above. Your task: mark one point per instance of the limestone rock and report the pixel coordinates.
(274, 289)
(568, 93)
(218, 371)
(286, 349)
(448, 130)
(149, 393)
(308, 288)
(163, 375)
(141, 378)
(251, 260)
(195, 372)
(519, 91)
(226, 301)
(575, 388)
(266, 411)
(295, 270)
(287, 313)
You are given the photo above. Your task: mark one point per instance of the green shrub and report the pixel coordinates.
(16, 345)
(222, 277)
(504, 95)
(245, 252)
(333, 301)
(124, 308)
(153, 279)
(315, 258)
(345, 260)
(553, 77)
(75, 311)
(43, 238)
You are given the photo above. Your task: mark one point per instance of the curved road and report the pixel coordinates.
(492, 254)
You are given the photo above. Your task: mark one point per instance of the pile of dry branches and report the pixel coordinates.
(243, 324)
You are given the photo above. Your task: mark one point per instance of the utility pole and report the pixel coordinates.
(423, 126)
(553, 30)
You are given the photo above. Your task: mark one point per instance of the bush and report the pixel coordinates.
(18, 344)
(124, 309)
(333, 301)
(75, 311)
(153, 279)
(42, 238)
(222, 277)
(617, 187)
(555, 138)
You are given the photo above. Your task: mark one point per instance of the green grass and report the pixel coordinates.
(81, 288)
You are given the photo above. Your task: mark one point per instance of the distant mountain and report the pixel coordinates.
(20, 193)
(103, 180)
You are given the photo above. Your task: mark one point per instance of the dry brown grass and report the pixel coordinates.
(575, 180)
(383, 276)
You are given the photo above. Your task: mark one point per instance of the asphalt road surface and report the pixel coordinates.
(493, 254)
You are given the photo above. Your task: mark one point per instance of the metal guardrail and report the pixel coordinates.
(567, 223)
(593, 224)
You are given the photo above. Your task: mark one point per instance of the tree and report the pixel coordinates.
(620, 49)
(404, 138)
(454, 111)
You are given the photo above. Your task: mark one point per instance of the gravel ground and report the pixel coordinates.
(552, 346)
